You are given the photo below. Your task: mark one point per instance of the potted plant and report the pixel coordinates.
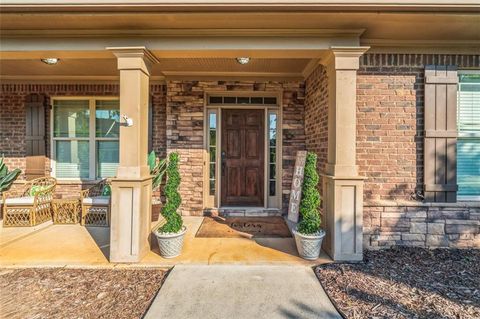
(170, 235)
(7, 177)
(6, 180)
(157, 170)
(308, 234)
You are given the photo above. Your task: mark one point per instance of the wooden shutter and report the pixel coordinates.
(35, 136)
(440, 154)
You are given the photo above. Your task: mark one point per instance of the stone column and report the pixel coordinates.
(132, 187)
(343, 187)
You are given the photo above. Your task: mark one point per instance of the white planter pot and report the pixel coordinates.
(170, 244)
(308, 246)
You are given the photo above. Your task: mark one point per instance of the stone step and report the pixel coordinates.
(244, 212)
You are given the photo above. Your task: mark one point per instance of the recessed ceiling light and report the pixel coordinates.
(243, 60)
(50, 61)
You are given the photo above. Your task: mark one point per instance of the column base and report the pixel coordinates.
(130, 219)
(343, 217)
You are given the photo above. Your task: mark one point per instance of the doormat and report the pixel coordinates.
(243, 227)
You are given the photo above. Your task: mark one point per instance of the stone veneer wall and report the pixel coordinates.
(185, 130)
(390, 121)
(316, 116)
(432, 225)
(12, 122)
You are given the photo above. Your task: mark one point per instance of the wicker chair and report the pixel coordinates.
(33, 207)
(95, 205)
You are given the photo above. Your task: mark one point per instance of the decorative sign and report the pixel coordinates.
(296, 192)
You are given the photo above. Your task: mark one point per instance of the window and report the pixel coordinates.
(468, 145)
(243, 100)
(212, 149)
(272, 152)
(85, 146)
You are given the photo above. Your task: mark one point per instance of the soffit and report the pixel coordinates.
(377, 25)
(244, 5)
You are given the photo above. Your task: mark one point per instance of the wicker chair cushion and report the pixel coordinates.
(20, 201)
(37, 188)
(97, 200)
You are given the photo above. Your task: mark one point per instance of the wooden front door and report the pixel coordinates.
(242, 160)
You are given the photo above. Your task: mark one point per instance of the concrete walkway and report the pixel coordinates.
(233, 291)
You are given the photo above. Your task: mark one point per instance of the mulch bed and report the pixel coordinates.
(406, 283)
(77, 293)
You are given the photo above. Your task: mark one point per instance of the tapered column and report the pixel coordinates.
(132, 187)
(343, 188)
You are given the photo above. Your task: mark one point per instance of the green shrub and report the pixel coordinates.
(173, 200)
(310, 203)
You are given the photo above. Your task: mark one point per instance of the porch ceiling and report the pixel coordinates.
(169, 67)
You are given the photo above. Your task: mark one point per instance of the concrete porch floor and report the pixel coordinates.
(78, 246)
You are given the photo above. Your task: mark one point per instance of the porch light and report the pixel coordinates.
(50, 61)
(243, 60)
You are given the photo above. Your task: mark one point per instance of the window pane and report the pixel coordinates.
(107, 158)
(72, 159)
(212, 171)
(212, 187)
(71, 118)
(213, 137)
(213, 120)
(257, 100)
(270, 100)
(273, 157)
(243, 100)
(216, 100)
(229, 100)
(212, 154)
(272, 171)
(107, 118)
(468, 166)
(272, 188)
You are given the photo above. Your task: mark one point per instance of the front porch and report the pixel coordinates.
(77, 246)
(237, 128)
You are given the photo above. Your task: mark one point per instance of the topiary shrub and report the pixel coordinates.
(173, 200)
(310, 202)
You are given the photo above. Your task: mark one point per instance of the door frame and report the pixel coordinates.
(214, 201)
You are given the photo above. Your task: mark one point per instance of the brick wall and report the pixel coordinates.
(12, 121)
(390, 121)
(424, 225)
(316, 116)
(185, 103)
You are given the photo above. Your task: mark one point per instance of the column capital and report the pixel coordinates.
(134, 58)
(344, 58)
